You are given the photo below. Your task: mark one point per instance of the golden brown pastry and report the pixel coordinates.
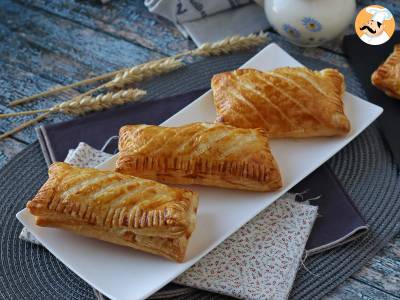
(117, 208)
(387, 76)
(286, 102)
(199, 153)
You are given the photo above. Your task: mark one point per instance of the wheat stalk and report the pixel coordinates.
(57, 90)
(81, 105)
(145, 71)
(100, 102)
(228, 45)
(78, 106)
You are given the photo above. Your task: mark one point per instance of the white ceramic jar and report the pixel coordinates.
(309, 23)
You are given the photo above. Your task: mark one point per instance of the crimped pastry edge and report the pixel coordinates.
(45, 198)
(220, 173)
(87, 226)
(176, 250)
(238, 176)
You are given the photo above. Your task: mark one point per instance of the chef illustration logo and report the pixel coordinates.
(375, 25)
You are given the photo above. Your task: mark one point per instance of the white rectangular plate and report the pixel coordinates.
(123, 273)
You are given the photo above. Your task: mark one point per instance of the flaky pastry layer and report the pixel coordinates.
(387, 76)
(199, 153)
(118, 208)
(286, 102)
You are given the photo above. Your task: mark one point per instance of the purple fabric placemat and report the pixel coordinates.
(339, 221)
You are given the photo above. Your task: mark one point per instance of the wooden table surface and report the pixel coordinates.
(45, 43)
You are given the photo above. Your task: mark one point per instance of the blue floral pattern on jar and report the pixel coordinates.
(311, 24)
(291, 31)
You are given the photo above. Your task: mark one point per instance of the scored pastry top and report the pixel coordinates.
(286, 102)
(114, 200)
(387, 76)
(198, 153)
(206, 140)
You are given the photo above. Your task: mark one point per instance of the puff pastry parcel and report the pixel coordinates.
(387, 76)
(117, 208)
(286, 102)
(199, 153)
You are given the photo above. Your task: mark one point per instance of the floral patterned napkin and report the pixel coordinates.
(259, 261)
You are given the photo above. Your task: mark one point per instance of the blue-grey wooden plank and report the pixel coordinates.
(17, 83)
(383, 271)
(353, 290)
(56, 38)
(124, 19)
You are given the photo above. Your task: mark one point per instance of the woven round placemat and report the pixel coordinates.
(364, 167)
